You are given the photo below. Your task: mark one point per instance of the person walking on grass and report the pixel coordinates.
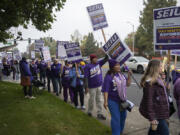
(94, 80)
(77, 85)
(26, 78)
(154, 104)
(114, 89)
(66, 82)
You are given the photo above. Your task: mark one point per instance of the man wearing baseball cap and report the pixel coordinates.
(94, 80)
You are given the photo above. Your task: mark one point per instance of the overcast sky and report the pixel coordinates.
(74, 16)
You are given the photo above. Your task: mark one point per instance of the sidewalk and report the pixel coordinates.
(135, 123)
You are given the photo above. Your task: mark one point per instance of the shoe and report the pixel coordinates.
(57, 94)
(101, 117)
(77, 107)
(89, 114)
(26, 96)
(83, 107)
(32, 97)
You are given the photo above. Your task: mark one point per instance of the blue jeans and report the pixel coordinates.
(56, 81)
(118, 117)
(162, 129)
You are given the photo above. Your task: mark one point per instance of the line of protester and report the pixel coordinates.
(77, 78)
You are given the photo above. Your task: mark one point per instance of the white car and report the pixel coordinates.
(137, 63)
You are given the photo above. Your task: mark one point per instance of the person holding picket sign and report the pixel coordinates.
(154, 104)
(114, 89)
(93, 81)
(42, 69)
(26, 78)
(56, 76)
(66, 82)
(76, 77)
(34, 70)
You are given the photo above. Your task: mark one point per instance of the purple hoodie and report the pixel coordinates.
(56, 70)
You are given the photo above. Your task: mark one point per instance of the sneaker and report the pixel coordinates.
(26, 96)
(32, 97)
(101, 117)
(89, 114)
(77, 107)
(83, 107)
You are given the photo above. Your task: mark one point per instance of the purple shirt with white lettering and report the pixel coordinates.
(65, 76)
(110, 86)
(93, 73)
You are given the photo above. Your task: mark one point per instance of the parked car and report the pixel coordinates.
(137, 63)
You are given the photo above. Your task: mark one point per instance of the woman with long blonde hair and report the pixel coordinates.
(154, 104)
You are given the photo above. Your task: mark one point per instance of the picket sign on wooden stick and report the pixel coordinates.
(104, 36)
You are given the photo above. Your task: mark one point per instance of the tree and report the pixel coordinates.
(144, 34)
(14, 13)
(129, 39)
(89, 45)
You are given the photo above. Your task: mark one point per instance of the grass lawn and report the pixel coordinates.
(46, 115)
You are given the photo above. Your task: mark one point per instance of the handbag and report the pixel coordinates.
(25, 81)
(126, 105)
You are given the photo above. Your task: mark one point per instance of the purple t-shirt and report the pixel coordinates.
(93, 73)
(110, 86)
(65, 76)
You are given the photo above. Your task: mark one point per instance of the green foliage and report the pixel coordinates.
(144, 34)
(39, 13)
(90, 45)
(129, 39)
(46, 115)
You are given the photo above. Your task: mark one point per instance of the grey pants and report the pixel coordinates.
(95, 93)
